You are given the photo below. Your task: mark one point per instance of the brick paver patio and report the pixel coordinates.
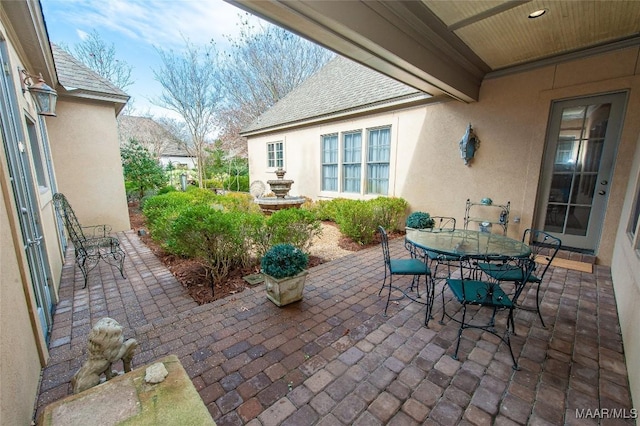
(334, 359)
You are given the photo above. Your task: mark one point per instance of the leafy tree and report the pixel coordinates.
(190, 88)
(140, 169)
(264, 64)
(95, 53)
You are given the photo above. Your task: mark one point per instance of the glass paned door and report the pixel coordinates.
(24, 189)
(582, 140)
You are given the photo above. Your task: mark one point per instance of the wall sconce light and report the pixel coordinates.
(469, 144)
(44, 96)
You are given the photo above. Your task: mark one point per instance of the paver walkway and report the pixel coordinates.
(334, 359)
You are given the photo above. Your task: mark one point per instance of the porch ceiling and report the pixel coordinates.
(448, 47)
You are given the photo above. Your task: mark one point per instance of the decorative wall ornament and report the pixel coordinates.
(106, 346)
(469, 144)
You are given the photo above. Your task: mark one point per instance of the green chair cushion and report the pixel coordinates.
(505, 272)
(479, 292)
(408, 267)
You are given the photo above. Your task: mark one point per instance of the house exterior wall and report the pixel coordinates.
(23, 347)
(625, 272)
(510, 120)
(190, 162)
(86, 156)
(19, 361)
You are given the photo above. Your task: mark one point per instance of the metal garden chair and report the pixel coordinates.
(90, 243)
(415, 266)
(544, 248)
(471, 289)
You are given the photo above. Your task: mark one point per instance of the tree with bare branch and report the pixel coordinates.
(95, 53)
(191, 88)
(264, 64)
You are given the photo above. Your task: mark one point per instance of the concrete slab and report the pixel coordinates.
(129, 400)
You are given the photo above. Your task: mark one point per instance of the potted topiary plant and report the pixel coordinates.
(420, 220)
(284, 269)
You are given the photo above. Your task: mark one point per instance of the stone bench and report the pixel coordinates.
(128, 399)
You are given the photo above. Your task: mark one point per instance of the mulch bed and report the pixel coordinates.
(193, 275)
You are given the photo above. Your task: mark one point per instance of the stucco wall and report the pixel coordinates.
(22, 346)
(86, 156)
(510, 120)
(19, 362)
(625, 271)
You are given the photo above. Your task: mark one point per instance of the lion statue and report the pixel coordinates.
(106, 346)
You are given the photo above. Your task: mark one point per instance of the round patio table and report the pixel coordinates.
(464, 242)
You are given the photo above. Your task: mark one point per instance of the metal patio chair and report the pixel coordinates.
(473, 290)
(415, 266)
(544, 248)
(90, 243)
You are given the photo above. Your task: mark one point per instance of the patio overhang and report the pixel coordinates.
(449, 47)
(376, 35)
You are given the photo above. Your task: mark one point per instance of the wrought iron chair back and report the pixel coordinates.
(415, 266)
(442, 224)
(544, 248)
(473, 288)
(89, 249)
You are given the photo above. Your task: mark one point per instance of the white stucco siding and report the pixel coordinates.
(510, 120)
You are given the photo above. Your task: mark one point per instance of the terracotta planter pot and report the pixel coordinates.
(283, 291)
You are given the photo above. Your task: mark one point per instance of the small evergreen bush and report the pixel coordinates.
(284, 260)
(357, 220)
(389, 211)
(420, 220)
(294, 226)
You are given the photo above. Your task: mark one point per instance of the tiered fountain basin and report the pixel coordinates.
(280, 187)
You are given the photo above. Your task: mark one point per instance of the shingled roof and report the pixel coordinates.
(341, 87)
(79, 80)
(150, 134)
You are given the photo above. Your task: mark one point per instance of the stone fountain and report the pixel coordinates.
(280, 187)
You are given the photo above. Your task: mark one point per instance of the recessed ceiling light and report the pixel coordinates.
(538, 13)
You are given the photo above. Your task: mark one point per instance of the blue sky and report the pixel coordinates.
(136, 27)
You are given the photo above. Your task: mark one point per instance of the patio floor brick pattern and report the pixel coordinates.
(333, 358)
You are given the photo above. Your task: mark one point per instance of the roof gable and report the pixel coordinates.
(79, 80)
(151, 134)
(340, 86)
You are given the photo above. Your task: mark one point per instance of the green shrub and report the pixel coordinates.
(357, 220)
(420, 220)
(239, 201)
(284, 260)
(293, 226)
(162, 210)
(211, 236)
(212, 183)
(323, 209)
(390, 211)
(237, 183)
(166, 190)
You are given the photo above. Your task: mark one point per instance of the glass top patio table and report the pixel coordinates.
(463, 242)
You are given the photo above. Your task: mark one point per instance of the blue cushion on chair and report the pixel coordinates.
(505, 272)
(478, 292)
(408, 267)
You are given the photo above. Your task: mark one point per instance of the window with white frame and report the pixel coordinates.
(330, 162)
(275, 155)
(378, 157)
(351, 161)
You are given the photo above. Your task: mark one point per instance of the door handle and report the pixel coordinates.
(602, 192)
(32, 243)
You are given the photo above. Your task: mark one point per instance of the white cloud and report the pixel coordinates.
(82, 34)
(162, 23)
